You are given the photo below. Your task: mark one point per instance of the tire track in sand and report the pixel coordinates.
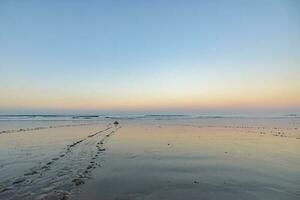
(60, 176)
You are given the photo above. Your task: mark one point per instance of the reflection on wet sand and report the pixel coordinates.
(154, 159)
(162, 160)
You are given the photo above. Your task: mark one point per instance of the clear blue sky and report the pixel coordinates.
(85, 55)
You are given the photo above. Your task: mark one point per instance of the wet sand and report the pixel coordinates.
(171, 161)
(48, 163)
(154, 159)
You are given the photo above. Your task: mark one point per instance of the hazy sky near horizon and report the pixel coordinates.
(135, 55)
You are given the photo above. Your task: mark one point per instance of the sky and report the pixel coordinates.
(92, 56)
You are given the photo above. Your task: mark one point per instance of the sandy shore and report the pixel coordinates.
(153, 159)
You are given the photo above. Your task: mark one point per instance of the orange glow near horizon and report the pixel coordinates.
(252, 97)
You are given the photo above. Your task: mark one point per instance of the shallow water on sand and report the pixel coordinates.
(198, 160)
(215, 158)
(48, 163)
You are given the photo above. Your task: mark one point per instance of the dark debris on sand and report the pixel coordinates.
(78, 181)
(19, 180)
(30, 173)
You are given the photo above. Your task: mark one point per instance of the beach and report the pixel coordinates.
(150, 157)
(150, 100)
